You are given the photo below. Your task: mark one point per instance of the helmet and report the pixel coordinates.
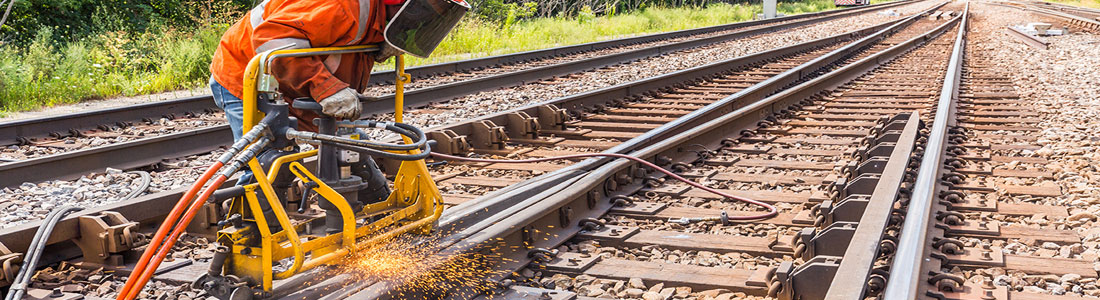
(421, 25)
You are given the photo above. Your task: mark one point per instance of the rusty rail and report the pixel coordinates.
(13, 132)
(147, 152)
(139, 209)
(867, 239)
(546, 209)
(905, 271)
(1030, 40)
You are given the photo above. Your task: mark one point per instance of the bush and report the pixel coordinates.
(74, 20)
(111, 64)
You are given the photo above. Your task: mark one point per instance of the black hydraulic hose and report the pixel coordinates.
(424, 152)
(241, 160)
(146, 181)
(34, 251)
(373, 148)
(400, 128)
(311, 136)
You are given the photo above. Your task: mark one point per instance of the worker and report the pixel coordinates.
(417, 27)
(333, 80)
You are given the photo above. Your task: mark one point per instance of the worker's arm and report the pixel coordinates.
(306, 24)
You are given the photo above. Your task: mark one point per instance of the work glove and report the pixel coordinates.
(343, 104)
(386, 52)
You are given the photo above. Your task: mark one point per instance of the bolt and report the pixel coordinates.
(614, 232)
(574, 262)
(585, 255)
(56, 293)
(988, 295)
(983, 225)
(987, 284)
(987, 255)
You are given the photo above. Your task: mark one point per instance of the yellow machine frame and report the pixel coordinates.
(414, 205)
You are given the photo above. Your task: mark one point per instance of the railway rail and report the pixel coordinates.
(547, 219)
(807, 152)
(1090, 13)
(1077, 17)
(891, 153)
(144, 152)
(142, 207)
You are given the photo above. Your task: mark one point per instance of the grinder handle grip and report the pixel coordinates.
(306, 103)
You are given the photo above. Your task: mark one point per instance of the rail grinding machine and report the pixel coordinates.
(357, 205)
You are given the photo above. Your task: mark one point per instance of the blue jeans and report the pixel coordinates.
(234, 112)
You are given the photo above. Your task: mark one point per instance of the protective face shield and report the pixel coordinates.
(421, 25)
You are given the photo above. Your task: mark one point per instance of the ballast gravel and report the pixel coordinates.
(1060, 82)
(25, 200)
(484, 103)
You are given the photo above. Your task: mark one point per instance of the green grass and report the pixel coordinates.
(111, 64)
(123, 63)
(473, 38)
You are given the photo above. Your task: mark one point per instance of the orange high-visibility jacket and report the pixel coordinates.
(305, 24)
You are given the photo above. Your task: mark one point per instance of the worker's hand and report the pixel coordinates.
(343, 104)
(386, 52)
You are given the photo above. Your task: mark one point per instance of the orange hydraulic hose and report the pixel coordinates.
(164, 227)
(147, 273)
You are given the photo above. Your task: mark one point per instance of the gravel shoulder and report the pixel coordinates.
(24, 201)
(1061, 82)
(98, 104)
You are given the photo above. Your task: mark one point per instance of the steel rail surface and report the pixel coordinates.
(1028, 39)
(470, 64)
(124, 155)
(472, 217)
(905, 276)
(538, 188)
(147, 210)
(763, 89)
(31, 170)
(850, 281)
(740, 119)
(12, 131)
(93, 159)
(1084, 22)
(15, 237)
(1065, 7)
(444, 92)
(537, 212)
(758, 91)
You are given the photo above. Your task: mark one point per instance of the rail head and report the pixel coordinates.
(905, 270)
(850, 282)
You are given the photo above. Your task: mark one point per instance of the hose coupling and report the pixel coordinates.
(723, 217)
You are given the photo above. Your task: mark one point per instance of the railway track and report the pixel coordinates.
(1075, 17)
(143, 209)
(895, 156)
(1085, 12)
(644, 211)
(979, 193)
(527, 67)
